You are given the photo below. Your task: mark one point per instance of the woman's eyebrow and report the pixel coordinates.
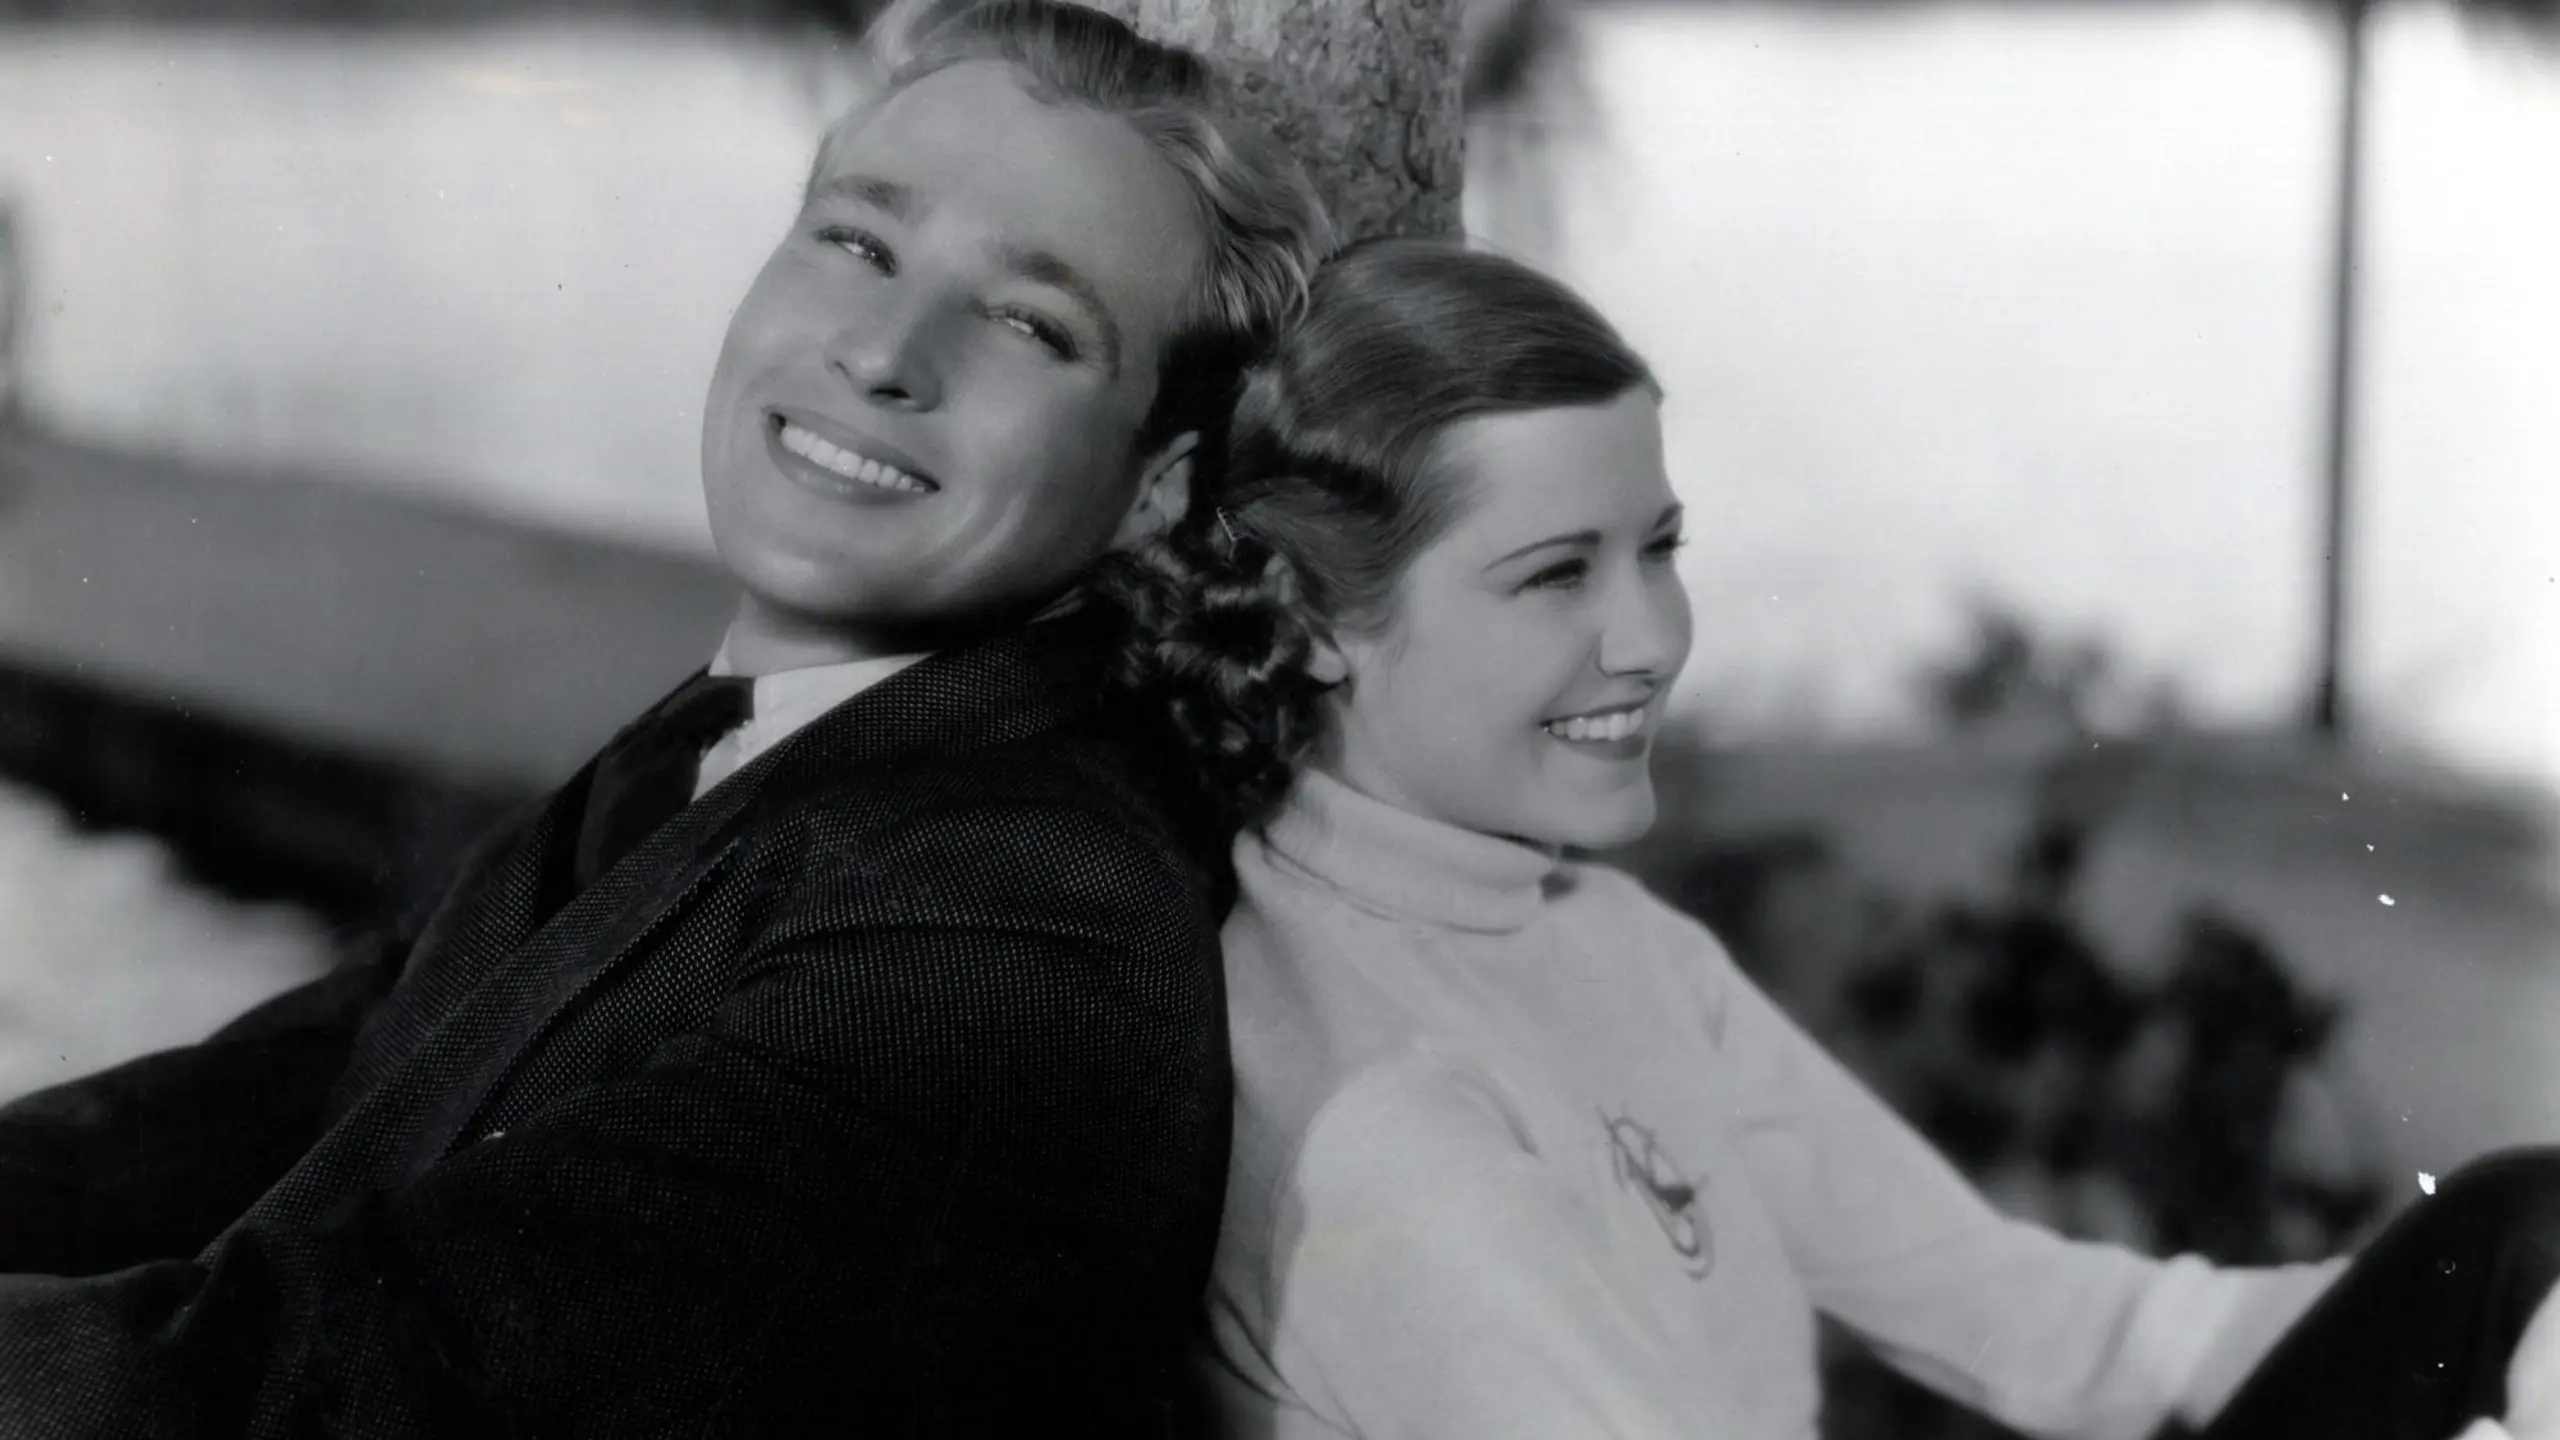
(1580, 538)
(1577, 538)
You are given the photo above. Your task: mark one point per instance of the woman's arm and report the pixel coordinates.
(2049, 1335)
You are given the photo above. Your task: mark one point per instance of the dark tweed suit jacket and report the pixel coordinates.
(884, 1091)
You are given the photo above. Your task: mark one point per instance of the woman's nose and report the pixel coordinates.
(1645, 627)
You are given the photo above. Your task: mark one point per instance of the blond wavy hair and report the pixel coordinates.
(1264, 227)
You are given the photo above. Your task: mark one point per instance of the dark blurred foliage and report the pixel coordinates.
(2134, 1098)
(2009, 675)
(2007, 669)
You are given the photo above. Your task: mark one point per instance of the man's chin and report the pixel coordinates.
(813, 563)
(884, 618)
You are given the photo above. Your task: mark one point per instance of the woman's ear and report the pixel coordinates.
(1164, 493)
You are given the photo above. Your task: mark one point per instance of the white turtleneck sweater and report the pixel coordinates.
(1519, 1152)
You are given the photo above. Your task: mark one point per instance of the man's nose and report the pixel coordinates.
(888, 355)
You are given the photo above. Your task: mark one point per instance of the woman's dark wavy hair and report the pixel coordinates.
(1327, 483)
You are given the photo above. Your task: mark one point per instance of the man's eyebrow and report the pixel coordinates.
(886, 196)
(1042, 268)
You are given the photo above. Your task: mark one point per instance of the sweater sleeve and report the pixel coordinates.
(1431, 1280)
(2050, 1336)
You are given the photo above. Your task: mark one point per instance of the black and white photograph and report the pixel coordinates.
(1280, 719)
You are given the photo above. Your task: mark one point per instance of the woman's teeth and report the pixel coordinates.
(847, 464)
(1611, 725)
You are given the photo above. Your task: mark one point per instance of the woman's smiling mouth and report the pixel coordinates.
(1600, 727)
(1618, 735)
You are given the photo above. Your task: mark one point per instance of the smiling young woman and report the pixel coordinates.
(1519, 1151)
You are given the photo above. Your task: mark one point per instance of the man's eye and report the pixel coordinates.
(1040, 328)
(863, 245)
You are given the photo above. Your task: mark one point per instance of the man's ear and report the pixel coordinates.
(1164, 493)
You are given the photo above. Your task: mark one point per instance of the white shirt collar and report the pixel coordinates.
(785, 701)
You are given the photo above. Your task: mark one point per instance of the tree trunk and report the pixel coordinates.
(1366, 93)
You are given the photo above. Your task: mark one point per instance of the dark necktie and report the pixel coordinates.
(647, 775)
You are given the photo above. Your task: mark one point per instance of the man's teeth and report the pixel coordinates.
(847, 464)
(1614, 725)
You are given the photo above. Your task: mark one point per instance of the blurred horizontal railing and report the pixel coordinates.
(252, 813)
(306, 686)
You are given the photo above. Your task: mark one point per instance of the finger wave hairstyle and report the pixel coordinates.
(1330, 481)
(1263, 225)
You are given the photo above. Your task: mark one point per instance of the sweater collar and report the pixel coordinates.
(1400, 864)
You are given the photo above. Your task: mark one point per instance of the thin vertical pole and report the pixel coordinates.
(2328, 702)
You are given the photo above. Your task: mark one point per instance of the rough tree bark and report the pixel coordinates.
(1367, 93)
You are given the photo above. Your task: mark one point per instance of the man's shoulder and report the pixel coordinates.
(1065, 819)
(1065, 776)
(1009, 901)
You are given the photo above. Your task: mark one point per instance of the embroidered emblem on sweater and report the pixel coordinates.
(1642, 1166)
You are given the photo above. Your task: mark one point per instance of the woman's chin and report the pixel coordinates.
(1612, 837)
(1603, 824)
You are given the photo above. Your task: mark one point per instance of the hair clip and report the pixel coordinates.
(1228, 528)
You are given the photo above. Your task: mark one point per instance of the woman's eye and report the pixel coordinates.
(1040, 328)
(1666, 547)
(861, 244)
(1562, 575)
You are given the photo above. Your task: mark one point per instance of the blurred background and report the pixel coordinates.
(2126, 712)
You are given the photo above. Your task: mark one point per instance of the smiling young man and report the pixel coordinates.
(844, 1048)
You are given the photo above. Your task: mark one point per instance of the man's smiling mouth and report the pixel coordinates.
(849, 463)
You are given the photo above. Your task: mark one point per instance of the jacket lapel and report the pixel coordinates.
(522, 972)
(589, 937)
(494, 908)
(497, 900)
(985, 695)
